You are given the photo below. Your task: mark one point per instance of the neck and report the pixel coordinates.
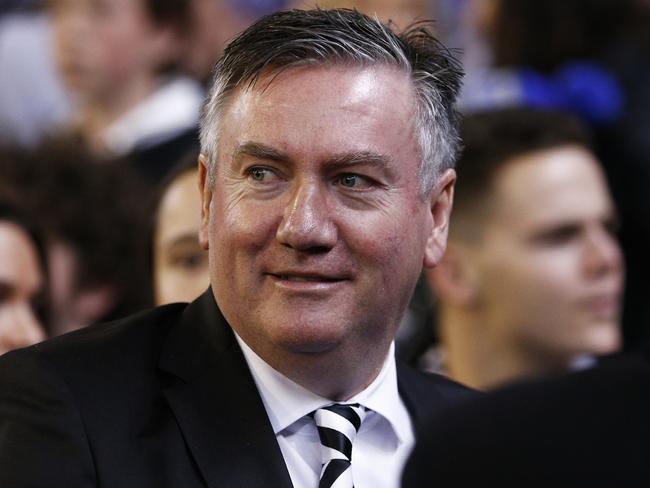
(98, 112)
(482, 359)
(336, 375)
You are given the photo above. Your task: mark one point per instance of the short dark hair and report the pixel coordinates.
(169, 11)
(293, 38)
(91, 204)
(492, 139)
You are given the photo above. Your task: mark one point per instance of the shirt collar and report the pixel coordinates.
(287, 402)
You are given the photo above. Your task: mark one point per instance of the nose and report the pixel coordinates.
(603, 254)
(307, 223)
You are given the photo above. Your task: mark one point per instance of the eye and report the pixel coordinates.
(5, 291)
(354, 181)
(191, 262)
(559, 235)
(261, 174)
(186, 255)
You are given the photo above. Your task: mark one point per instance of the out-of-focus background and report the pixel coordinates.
(99, 104)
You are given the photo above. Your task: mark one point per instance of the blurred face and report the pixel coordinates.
(550, 269)
(316, 230)
(103, 45)
(180, 263)
(21, 283)
(214, 23)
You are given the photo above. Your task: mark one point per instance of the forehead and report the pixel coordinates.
(545, 187)
(180, 207)
(316, 109)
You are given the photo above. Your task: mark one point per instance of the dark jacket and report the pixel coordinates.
(161, 399)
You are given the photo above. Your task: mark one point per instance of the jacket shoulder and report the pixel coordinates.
(116, 345)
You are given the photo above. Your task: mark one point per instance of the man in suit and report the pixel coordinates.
(326, 177)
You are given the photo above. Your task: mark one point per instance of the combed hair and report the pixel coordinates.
(294, 38)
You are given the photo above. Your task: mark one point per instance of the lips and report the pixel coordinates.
(306, 278)
(307, 281)
(605, 305)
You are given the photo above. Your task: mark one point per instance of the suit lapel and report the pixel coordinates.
(216, 403)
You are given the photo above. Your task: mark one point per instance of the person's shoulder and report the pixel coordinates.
(118, 344)
(586, 425)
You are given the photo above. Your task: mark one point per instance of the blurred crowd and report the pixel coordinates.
(99, 206)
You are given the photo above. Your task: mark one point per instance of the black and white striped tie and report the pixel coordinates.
(337, 425)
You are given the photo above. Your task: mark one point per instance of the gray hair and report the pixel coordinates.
(295, 38)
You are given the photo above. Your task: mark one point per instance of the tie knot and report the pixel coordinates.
(345, 418)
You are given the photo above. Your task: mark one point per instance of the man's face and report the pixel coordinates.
(316, 229)
(549, 267)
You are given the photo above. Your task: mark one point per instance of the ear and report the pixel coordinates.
(206, 198)
(453, 280)
(441, 201)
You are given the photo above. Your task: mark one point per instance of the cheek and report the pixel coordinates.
(393, 247)
(530, 289)
(239, 231)
(556, 274)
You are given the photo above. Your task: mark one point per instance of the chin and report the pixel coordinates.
(602, 339)
(308, 339)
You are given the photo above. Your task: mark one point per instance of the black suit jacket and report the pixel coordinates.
(161, 399)
(587, 429)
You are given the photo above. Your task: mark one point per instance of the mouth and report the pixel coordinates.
(606, 306)
(306, 282)
(306, 278)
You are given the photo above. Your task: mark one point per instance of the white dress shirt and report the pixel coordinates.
(381, 447)
(167, 112)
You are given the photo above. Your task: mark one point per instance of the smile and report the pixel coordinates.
(306, 278)
(306, 283)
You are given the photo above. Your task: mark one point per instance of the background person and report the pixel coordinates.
(33, 100)
(215, 23)
(22, 280)
(90, 213)
(120, 59)
(180, 264)
(533, 275)
(588, 57)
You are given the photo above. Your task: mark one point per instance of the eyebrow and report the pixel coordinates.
(262, 151)
(360, 157)
(182, 240)
(258, 150)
